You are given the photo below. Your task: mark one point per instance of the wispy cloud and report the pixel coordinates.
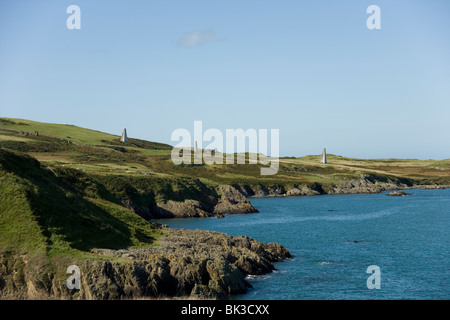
(197, 38)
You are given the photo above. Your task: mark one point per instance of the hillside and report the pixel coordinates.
(101, 153)
(51, 210)
(141, 176)
(76, 135)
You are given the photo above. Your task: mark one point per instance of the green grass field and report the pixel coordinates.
(63, 131)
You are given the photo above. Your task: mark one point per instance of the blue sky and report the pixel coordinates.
(311, 69)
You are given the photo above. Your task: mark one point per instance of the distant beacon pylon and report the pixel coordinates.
(324, 156)
(124, 137)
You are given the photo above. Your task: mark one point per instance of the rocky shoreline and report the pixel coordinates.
(234, 199)
(191, 264)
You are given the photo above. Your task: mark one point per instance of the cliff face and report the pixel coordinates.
(232, 199)
(196, 264)
(225, 199)
(363, 184)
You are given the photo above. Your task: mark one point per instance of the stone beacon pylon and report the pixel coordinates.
(124, 137)
(324, 156)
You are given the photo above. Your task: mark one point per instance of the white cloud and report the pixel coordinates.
(196, 38)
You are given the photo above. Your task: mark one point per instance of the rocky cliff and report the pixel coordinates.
(232, 199)
(188, 263)
(363, 184)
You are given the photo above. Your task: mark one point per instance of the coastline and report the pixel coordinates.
(425, 187)
(236, 198)
(187, 264)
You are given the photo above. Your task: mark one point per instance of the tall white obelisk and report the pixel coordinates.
(324, 156)
(124, 137)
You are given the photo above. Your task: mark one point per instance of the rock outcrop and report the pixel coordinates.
(188, 263)
(185, 209)
(399, 193)
(232, 201)
(226, 199)
(365, 184)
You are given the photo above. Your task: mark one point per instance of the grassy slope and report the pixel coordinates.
(142, 158)
(62, 211)
(69, 132)
(78, 135)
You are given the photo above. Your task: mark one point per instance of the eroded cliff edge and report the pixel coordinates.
(188, 264)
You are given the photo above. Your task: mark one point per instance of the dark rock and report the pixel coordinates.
(183, 209)
(203, 292)
(187, 263)
(399, 193)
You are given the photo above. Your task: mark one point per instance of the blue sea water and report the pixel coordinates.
(335, 238)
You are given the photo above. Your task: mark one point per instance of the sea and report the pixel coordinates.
(347, 247)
